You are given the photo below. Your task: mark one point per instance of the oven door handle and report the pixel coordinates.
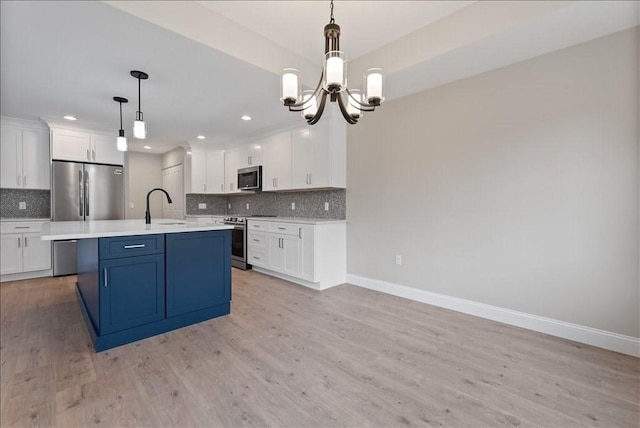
(238, 227)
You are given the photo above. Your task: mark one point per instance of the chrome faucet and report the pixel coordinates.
(147, 213)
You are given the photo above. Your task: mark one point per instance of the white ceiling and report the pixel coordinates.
(211, 62)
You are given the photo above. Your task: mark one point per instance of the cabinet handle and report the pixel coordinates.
(21, 227)
(299, 233)
(256, 240)
(256, 258)
(93, 152)
(18, 180)
(19, 243)
(205, 187)
(88, 156)
(282, 228)
(276, 181)
(106, 278)
(126, 247)
(222, 187)
(25, 242)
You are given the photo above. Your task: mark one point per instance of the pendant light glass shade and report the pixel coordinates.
(290, 86)
(373, 84)
(139, 130)
(122, 144)
(335, 71)
(309, 100)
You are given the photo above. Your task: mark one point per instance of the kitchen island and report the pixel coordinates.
(136, 280)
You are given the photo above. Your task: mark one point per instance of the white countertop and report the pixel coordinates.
(299, 220)
(61, 230)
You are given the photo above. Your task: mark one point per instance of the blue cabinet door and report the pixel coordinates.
(131, 292)
(198, 271)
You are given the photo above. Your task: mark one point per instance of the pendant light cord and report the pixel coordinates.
(139, 100)
(332, 21)
(120, 114)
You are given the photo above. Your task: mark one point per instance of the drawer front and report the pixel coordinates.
(257, 257)
(256, 239)
(258, 225)
(125, 246)
(284, 228)
(20, 227)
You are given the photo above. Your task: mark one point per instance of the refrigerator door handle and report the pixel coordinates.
(80, 194)
(86, 195)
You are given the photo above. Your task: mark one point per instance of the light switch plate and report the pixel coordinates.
(202, 206)
(22, 205)
(293, 205)
(247, 206)
(131, 205)
(229, 206)
(326, 206)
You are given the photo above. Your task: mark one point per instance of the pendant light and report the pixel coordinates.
(333, 82)
(139, 128)
(122, 140)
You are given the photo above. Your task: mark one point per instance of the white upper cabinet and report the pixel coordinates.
(319, 155)
(24, 156)
(250, 155)
(231, 171)
(276, 168)
(81, 146)
(198, 170)
(105, 150)
(207, 171)
(214, 171)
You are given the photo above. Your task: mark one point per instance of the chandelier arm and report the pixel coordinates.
(344, 112)
(359, 104)
(318, 114)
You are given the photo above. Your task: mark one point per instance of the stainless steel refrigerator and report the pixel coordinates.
(83, 192)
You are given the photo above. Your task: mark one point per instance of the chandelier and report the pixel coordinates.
(332, 83)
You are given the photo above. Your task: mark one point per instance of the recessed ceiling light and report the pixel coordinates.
(245, 117)
(147, 147)
(258, 146)
(188, 153)
(69, 117)
(200, 137)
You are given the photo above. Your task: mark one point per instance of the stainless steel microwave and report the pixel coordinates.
(250, 178)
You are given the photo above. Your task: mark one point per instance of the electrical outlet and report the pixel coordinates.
(229, 206)
(293, 205)
(22, 205)
(202, 206)
(326, 206)
(247, 206)
(131, 205)
(398, 259)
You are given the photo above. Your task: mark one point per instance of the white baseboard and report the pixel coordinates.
(314, 285)
(26, 275)
(579, 333)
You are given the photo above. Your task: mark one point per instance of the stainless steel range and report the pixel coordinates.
(238, 242)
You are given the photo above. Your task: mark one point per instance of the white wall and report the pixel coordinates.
(144, 173)
(516, 188)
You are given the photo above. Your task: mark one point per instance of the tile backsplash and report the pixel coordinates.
(309, 204)
(37, 203)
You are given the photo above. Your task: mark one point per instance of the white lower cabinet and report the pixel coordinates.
(22, 253)
(310, 254)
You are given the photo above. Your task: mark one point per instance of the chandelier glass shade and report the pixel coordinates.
(332, 84)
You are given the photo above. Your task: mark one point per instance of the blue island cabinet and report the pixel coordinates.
(135, 287)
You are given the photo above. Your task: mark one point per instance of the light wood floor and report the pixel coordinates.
(291, 356)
